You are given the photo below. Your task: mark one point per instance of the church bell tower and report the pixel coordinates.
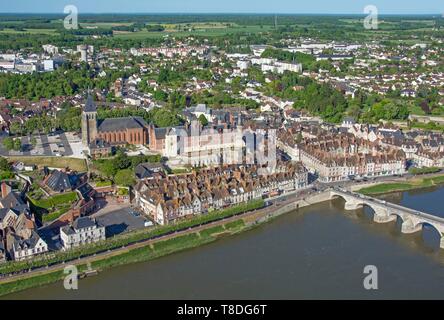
(89, 121)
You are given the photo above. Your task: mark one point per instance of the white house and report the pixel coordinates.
(83, 231)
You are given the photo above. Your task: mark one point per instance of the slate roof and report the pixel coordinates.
(99, 144)
(90, 106)
(60, 181)
(160, 133)
(83, 222)
(30, 243)
(120, 124)
(11, 200)
(146, 170)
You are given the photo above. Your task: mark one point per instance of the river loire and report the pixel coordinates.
(318, 252)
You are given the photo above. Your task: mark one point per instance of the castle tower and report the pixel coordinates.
(89, 121)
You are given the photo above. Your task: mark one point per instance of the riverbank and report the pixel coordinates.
(165, 240)
(136, 255)
(168, 244)
(410, 184)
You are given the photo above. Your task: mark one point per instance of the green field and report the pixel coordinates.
(199, 30)
(404, 186)
(30, 31)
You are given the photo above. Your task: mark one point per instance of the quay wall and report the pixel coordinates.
(294, 205)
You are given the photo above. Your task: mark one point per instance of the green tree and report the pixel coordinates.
(107, 168)
(203, 120)
(17, 146)
(124, 178)
(4, 164)
(8, 143)
(33, 141)
(122, 161)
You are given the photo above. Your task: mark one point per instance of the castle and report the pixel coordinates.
(99, 137)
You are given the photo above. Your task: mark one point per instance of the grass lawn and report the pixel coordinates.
(53, 162)
(23, 284)
(104, 184)
(210, 231)
(55, 215)
(404, 186)
(51, 202)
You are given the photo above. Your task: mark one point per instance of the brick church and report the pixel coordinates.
(99, 137)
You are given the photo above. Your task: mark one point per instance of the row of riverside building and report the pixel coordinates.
(170, 198)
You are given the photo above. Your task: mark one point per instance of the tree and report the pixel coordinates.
(17, 146)
(16, 128)
(8, 142)
(4, 164)
(33, 141)
(107, 168)
(203, 120)
(165, 118)
(122, 161)
(124, 178)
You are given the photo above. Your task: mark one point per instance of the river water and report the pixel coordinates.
(316, 253)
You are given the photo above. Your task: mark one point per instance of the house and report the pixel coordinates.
(83, 231)
(408, 93)
(59, 181)
(2, 250)
(149, 170)
(348, 122)
(24, 248)
(172, 198)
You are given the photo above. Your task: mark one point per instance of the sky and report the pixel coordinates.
(225, 6)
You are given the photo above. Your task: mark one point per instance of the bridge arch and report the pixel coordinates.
(423, 224)
(429, 237)
(351, 203)
(395, 216)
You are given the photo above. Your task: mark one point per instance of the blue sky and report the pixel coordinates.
(224, 6)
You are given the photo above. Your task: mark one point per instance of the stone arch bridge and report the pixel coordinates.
(412, 220)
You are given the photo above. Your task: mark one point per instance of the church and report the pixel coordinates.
(99, 137)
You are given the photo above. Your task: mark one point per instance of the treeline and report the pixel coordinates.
(17, 41)
(121, 168)
(265, 19)
(69, 119)
(308, 61)
(61, 82)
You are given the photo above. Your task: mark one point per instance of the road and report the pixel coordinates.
(275, 204)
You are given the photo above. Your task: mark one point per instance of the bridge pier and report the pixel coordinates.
(383, 217)
(412, 220)
(352, 205)
(408, 227)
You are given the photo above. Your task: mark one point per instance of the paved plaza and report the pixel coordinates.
(51, 145)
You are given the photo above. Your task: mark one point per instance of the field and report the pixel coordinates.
(30, 31)
(53, 162)
(404, 186)
(194, 29)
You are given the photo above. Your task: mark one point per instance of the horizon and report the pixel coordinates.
(316, 7)
(226, 13)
